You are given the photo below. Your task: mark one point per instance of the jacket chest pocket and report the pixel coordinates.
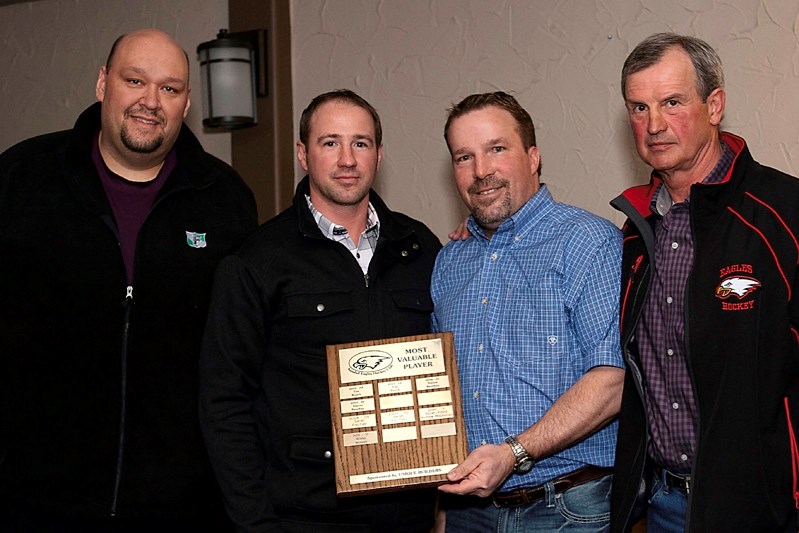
(412, 300)
(318, 319)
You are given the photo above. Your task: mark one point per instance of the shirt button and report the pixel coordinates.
(483, 442)
(494, 256)
(517, 238)
(674, 246)
(328, 454)
(675, 406)
(480, 347)
(476, 394)
(670, 351)
(404, 253)
(320, 307)
(485, 301)
(683, 457)
(415, 246)
(669, 300)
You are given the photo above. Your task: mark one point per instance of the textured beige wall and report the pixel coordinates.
(52, 50)
(413, 58)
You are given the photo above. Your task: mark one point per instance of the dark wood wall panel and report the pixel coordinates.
(264, 154)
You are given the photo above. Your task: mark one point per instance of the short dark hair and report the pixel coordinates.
(113, 50)
(116, 45)
(502, 100)
(706, 61)
(339, 95)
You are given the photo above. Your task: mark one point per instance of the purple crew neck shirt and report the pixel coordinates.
(130, 202)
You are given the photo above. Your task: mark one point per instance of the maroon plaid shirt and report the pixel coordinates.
(660, 334)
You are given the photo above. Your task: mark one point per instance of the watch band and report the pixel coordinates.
(524, 462)
(518, 450)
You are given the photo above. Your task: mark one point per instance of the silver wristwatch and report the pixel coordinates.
(524, 463)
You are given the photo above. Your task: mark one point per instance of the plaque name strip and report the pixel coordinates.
(432, 398)
(394, 387)
(402, 474)
(359, 421)
(358, 406)
(436, 413)
(406, 416)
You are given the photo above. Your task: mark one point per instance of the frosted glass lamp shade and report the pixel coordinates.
(227, 70)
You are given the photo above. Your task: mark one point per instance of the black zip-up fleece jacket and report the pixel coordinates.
(98, 380)
(741, 320)
(265, 409)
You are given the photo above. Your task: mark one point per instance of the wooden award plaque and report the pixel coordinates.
(397, 414)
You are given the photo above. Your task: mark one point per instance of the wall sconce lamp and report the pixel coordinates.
(233, 73)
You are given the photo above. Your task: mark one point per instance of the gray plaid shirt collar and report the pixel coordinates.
(365, 248)
(661, 200)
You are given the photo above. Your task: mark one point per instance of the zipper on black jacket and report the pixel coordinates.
(688, 363)
(128, 305)
(636, 302)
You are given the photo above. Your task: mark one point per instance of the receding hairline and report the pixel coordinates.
(337, 96)
(346, 103)
(147, 32)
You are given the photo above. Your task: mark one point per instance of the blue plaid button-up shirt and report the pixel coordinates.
(532, 309)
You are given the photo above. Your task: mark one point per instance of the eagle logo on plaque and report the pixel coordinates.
(370, 362)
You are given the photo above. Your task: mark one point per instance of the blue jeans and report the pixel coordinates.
(585, 507)
(666, 508)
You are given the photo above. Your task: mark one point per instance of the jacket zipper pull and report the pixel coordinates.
(128, 296)
(366, 280)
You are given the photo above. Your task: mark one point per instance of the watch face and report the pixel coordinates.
(524, 466)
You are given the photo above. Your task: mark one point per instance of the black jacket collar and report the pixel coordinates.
(193, 171)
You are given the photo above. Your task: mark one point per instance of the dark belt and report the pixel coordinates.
(674, 481)
(518, 497)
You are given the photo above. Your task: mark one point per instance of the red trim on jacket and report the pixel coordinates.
(777, 215)
(641, 196)
(768, 245)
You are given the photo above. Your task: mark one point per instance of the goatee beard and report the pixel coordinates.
(140, 146)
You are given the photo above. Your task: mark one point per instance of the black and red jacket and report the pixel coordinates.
(742, 345)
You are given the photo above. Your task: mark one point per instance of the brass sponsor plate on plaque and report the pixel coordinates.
(397, 414)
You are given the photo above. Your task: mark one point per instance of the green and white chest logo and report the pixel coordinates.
(195, 240)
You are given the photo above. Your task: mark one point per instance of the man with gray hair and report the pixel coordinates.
(710, 310)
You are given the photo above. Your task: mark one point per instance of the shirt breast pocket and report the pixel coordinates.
(536, 327)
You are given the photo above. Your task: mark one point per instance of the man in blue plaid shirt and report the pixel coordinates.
(531, 295)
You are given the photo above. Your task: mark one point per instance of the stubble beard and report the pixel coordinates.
(492, 215)
(347, 197)
(335, 194)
